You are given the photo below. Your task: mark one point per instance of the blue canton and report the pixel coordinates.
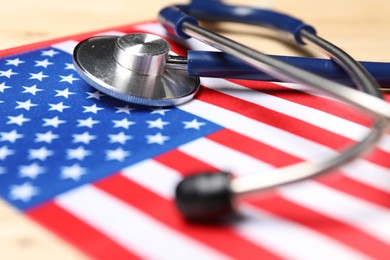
(57, 132)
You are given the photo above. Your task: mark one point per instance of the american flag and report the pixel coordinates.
(101, 174)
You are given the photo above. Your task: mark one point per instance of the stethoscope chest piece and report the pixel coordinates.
(133, 68)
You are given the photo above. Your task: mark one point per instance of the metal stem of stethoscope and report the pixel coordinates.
(191, 197)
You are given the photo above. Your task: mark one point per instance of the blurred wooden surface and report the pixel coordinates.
(361, 27)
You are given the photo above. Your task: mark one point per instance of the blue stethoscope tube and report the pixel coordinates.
(222, 65)
(173, 17)
(210, 64)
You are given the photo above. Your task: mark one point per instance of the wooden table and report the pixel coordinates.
(360, 27)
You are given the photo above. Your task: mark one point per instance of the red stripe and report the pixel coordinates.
(287, 123)
(219, 237)
(77, 232)
(188, 165)
(379, 157)
(358, 189)
(327, 226)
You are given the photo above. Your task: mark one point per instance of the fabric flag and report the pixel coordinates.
(101, 174)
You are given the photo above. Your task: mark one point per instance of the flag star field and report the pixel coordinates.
(59, 133)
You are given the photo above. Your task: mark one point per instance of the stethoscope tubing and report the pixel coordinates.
(222, 65)
(368, 99)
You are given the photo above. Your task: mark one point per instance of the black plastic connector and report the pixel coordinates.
(205, 197)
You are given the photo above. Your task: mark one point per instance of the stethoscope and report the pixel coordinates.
(137, 68)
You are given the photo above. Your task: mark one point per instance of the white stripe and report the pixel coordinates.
(154, 176)
(221, 157)
(114, 33)
(285, 238)
(351, 210)
(377, 176)
(313, 116)
(155, 28)
(159, 171)
(368, 173)
(131, 228)
(290, 240)
(67, 46)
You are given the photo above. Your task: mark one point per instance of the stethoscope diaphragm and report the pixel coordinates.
(132, 68)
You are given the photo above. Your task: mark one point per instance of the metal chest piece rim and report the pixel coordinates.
(133, 68)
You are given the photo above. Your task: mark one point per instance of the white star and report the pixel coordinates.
(3, 87)
(157, 139)
(158, 123)
(32, 90)
(68, 78)
(2, 170)
(118, 154)
(14, 62)
(7, 73)
(160, 111)
(83, 138)
(59, 107)
(96, 95)
(49, 53)
(43, 63)
(54, 122)
(23, 192)
(79, 153)
(47, 137)
(64, 93)
(5, 152)
(69, 66)
(73, 172)
(39, 76)
(10, 136)
(40, 154)
(119, 138)
(31, 171)
(122, 123)
(25, 105)
(89, 122)
(18, 120)
(92, 109)
(194, 124)
(126, 109)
